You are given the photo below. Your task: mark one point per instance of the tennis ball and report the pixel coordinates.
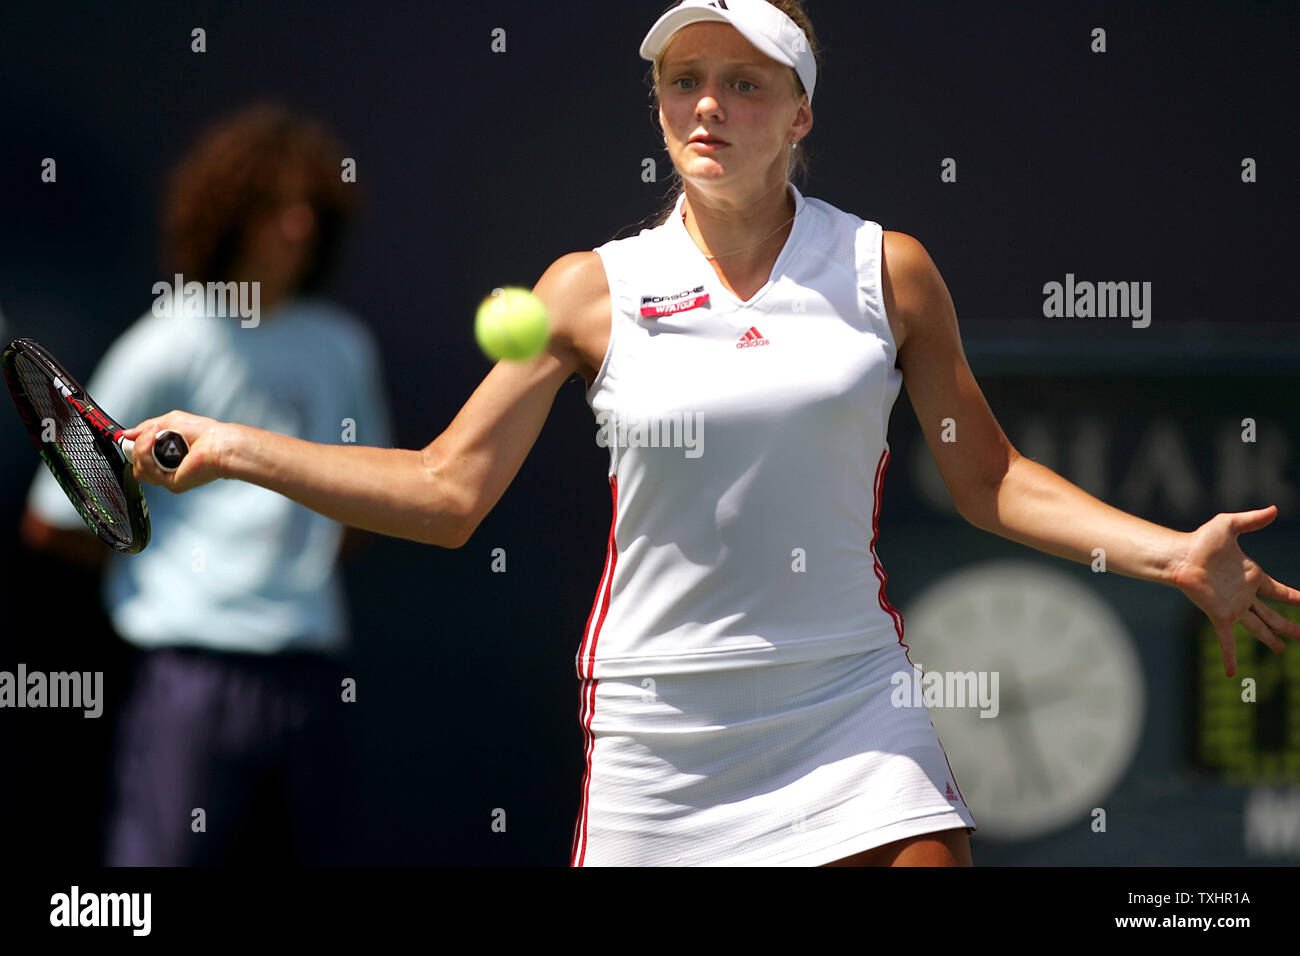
(512, 324)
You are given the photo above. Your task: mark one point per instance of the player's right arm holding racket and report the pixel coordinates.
(439, 494)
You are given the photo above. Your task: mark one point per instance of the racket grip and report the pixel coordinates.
(169, 449)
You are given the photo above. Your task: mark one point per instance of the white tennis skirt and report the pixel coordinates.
(779, 765)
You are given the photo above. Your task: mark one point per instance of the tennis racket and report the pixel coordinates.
(83, 447)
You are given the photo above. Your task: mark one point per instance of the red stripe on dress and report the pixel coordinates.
(893, 612)
(590, 638)
(888, 608)
(589, 635)
(582, 722)
(585, 714)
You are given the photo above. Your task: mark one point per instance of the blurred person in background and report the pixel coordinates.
(231, 746)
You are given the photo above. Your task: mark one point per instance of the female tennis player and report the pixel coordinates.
(744, 355)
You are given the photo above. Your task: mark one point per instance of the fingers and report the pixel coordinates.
(194, 469)
(1276, 621)
(1244, 521)
(143, 435)
(1229, 650)
(1254, 622)
(1261, 620)
(135, 430)
(145, 468)
(1268, 587)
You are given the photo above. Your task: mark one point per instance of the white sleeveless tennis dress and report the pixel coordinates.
(735, 670)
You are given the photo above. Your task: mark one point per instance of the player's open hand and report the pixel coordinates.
(1228, 586)
(201, 465)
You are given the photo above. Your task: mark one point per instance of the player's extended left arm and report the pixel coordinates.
(999, 490)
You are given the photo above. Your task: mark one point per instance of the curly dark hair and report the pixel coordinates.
(241, 167)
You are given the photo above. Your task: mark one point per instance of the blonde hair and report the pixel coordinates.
(798, 167)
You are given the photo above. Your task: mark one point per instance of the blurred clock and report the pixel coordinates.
(1070, 701)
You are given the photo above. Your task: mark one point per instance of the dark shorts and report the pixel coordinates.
(259, 744)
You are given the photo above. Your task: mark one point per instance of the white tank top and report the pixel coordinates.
(747, 450)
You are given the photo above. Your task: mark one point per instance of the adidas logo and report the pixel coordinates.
(751, 338)
(950, 795)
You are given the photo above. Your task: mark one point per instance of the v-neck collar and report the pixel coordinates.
(792, 240)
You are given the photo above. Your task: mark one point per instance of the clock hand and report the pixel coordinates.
(1056, 687)
(1022, 740)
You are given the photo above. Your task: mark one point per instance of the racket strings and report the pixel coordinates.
(88, 476)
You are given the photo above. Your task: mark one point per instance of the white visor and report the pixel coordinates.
(762, 24)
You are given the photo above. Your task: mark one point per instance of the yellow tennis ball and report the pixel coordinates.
(512, 324)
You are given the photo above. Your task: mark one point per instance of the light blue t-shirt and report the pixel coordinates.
(232, 566)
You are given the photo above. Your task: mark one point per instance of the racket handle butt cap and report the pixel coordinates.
(169, 449)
